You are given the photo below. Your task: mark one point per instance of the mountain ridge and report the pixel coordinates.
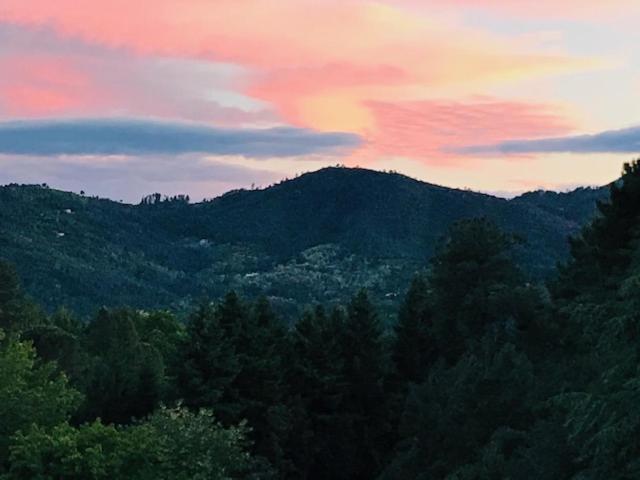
(363, 227)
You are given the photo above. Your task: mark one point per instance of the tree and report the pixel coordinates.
(470, 276)
(126, 377)
(458, 410)
(260, 341)
(602, 253)
(364, 400)
(209, 363)
(173, 444)
(194, 446)
(315, 374)
(414, 348)
(31, 392)
(17, 313)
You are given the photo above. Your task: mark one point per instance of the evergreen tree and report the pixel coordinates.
(122, 367)
(315, 375)
(17, 313)
(209, 364)
(365, 368)
(461, 409)
(603, 252)
(259, 384)
(414, 348)
(470, 276)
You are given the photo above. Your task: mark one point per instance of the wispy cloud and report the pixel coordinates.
(431, 130)
(626, 140)
(146, 137)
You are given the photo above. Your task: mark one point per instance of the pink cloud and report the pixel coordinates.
(68, 83)
(42, 85)
(429, 130)
(330, 65)
(547, 9)
(286, 34)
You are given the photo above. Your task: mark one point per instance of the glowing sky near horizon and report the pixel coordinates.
(493, 95)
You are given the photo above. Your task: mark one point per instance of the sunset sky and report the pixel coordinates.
(122, 98)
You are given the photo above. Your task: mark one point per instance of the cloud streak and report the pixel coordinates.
(626, 140)
(146, 137)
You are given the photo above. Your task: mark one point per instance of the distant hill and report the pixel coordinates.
(316, 238)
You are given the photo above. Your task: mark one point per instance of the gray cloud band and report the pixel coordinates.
(613, 141)
(146, 137)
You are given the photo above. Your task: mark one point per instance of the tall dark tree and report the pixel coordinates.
(259, 385)
(315, 374)
(365, 402)
(17, 313)
(209, 363)
(126, 375)
(414, 348)
(459, 410)
(470, 276)
(604, 250)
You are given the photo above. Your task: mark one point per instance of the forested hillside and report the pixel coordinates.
(486, 373)
(304, 241)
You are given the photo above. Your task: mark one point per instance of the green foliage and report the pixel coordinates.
(194, 446)
(31, 392)
(603, 252)
(455, 413)
(209, 362)
(414, 348)
(172, 445)
(364, 402)
(126, 375)
(16, 311)
(315, 373)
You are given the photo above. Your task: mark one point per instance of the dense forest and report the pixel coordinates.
(486, 373)
(311, 240)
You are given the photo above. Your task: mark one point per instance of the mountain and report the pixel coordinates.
(316, 238)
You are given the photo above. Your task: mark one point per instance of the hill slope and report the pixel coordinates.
(315, 238)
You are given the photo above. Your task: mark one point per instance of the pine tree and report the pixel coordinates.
(260, 383)
(209, 364)
(603, 252)
(414, 348)
(316, 382)
(17, 313)
(122, 367)
(470, 276)
(365, 401)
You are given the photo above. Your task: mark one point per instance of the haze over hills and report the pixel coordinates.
(316, 238)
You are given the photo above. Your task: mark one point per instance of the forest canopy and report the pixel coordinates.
(485, 373)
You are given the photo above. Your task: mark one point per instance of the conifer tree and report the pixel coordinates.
(469, 277)
(317, 386)
(259, 384)
(122, 367)
(414, 346)
(17, 313)
(364, 401)
(604, 250)
(209, 363)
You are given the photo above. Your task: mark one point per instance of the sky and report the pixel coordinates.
(121, 98)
